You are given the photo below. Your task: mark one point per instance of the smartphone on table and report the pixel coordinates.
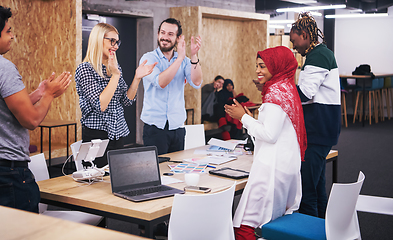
(197, 189)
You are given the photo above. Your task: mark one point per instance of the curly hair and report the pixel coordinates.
(307, 23)
(5, 13)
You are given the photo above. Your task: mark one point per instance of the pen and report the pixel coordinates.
(210, 166)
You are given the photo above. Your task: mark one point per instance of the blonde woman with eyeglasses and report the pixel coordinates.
(102, 90)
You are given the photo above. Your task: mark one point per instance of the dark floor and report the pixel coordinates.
(368, 149)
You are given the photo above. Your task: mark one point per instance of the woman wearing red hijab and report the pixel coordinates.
(274, 185)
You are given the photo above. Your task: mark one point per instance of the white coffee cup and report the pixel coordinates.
(191, 179)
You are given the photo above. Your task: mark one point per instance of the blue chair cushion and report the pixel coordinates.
(295, 226)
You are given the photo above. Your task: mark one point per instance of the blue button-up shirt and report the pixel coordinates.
(162, 104)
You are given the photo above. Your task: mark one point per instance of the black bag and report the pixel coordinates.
(363, 69)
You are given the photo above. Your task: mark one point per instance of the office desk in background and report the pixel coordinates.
(365, 78)
(98, 198)
(18, 224)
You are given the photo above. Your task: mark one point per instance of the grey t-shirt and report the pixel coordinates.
(14, 139)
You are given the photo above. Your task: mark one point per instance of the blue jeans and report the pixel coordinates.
(165, 140)
(314, 198)
(18, 189)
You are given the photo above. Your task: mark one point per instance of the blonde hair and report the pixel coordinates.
(95, 47)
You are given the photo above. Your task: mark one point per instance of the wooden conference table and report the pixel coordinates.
(18, 224)
(97, 198)
(365, 78)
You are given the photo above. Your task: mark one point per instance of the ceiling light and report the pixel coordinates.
(365, 15)
(281, 21)
(310, 8)
(276, 26)
(316, 13)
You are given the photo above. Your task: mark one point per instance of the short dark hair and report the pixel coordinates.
(172, 21)
(219, 77)
(5, 13)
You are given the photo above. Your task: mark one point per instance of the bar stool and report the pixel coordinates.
(387, 90)
(343, 104)
(374, 100)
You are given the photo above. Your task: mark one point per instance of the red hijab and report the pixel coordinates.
(281, 89)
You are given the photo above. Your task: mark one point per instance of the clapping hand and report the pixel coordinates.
(196, 44)
(113, 65)
(236, 110)
(144, 70)
(181, 48)
(57, 86)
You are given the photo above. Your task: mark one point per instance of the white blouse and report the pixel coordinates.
(274, 185)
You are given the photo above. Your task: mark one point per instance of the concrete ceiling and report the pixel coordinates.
(366, 6)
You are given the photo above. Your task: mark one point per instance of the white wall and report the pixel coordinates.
(364, 41)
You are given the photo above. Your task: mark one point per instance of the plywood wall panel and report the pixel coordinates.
(231, 40)
(45, 42)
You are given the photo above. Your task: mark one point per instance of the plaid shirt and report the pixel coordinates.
(89, 85)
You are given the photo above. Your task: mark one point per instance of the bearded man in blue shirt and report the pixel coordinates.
(164, 110)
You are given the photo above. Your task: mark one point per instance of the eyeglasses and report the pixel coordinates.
(114, 41)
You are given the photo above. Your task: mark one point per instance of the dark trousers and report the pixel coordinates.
(89, 134)
(165, 140)
(314, 198)
(18, 189)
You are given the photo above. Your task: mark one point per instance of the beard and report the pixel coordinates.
(165, 49)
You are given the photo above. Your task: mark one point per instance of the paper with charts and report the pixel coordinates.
(216, 160)
(188, 168)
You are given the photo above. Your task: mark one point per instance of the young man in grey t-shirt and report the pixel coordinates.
(19, 112)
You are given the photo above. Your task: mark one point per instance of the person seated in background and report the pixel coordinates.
(209, 98)
(231, 128)
(274, 185)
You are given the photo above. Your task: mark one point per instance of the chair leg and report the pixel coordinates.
(387, 100)
(387, 104)
(376, 106)
(344, 108)
(361, 109)
(369, 105)
(381, 105)
(356, 106)
(390, 91)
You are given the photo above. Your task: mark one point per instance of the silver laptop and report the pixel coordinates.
(135, 174)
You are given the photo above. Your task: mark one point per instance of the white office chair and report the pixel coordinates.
(38, 167)
(195, 136)
(341, 218)
(374, 204)
(202, 216)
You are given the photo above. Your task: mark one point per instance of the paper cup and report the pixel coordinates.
(191, 179)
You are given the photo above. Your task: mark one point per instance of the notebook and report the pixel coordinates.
(135, 174)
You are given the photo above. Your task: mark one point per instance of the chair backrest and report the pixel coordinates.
(341, 216)
(202, 216)
(381, 82)
(195, 136)
(38, 167)
(75, 149)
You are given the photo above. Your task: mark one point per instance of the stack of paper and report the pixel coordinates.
(220, 145)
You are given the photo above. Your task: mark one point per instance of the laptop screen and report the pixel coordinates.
(133, 168)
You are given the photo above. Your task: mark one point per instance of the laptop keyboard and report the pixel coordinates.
(142, 191)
